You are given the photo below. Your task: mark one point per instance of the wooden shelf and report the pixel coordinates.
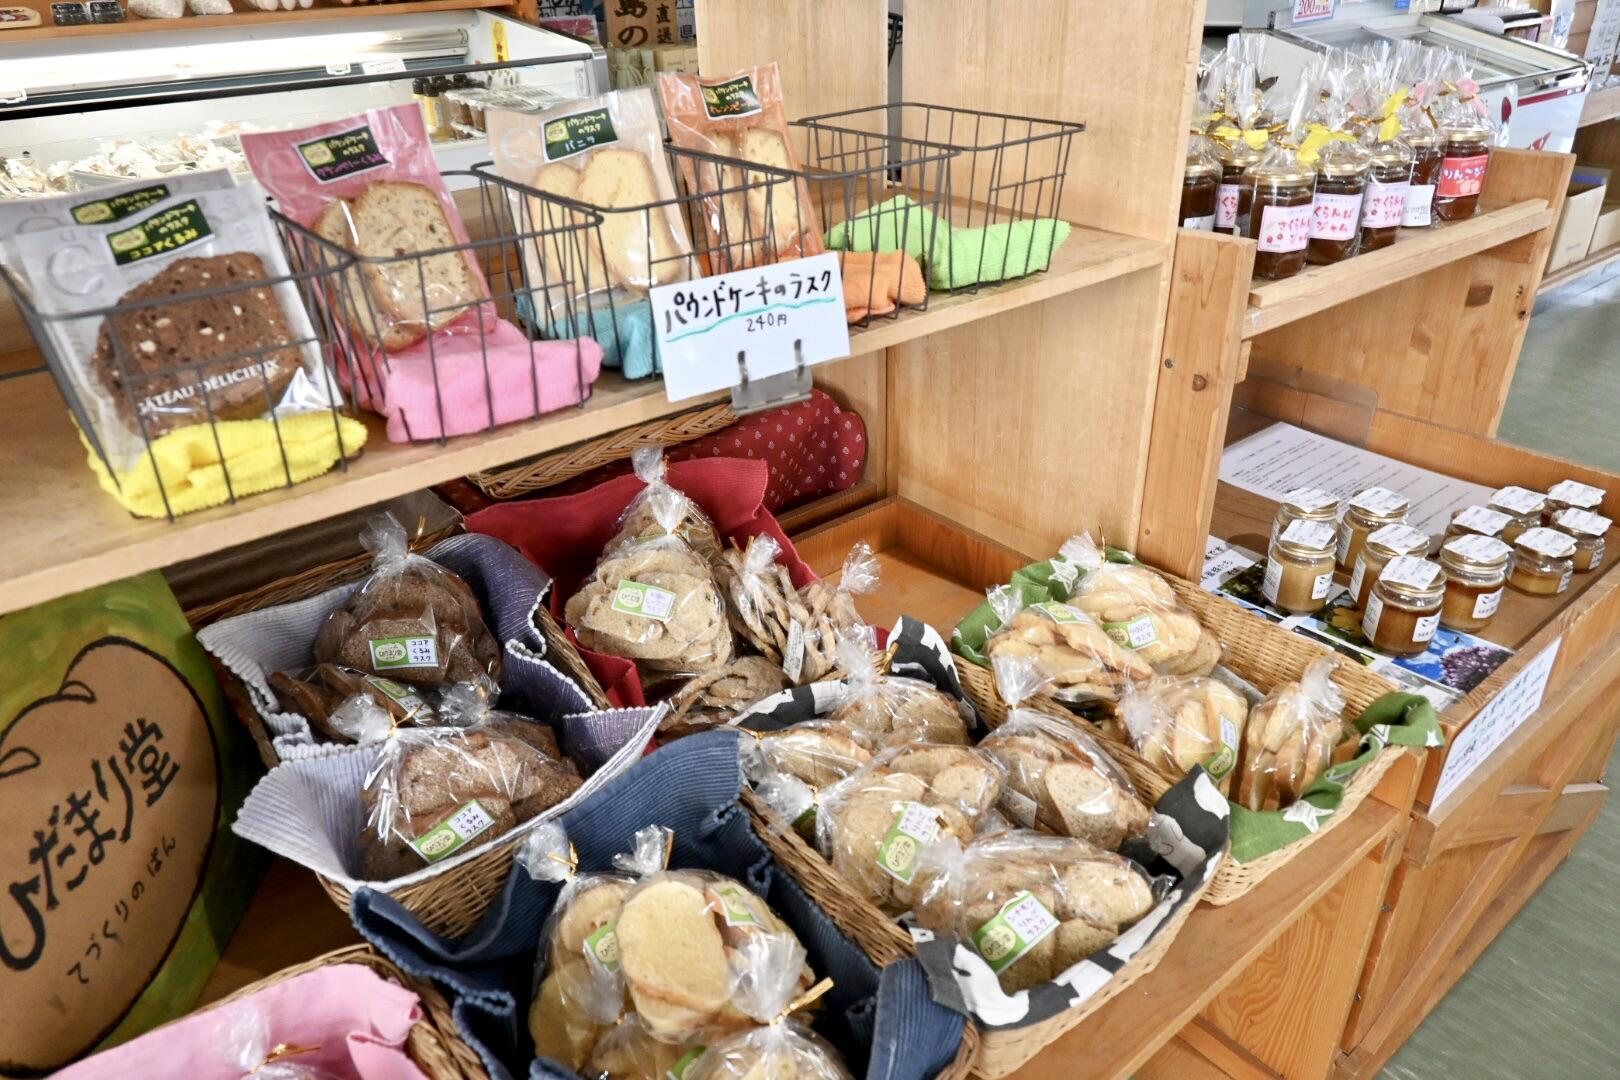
(63, 534)
(243, 17)
(1601, 105)
(1317, 288)
(1590, 264)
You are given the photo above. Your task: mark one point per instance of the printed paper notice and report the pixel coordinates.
(1283, 457)
(1491, 726)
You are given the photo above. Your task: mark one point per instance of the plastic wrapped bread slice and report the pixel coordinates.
(649, 513)
(1178, 723)
(780, 1046)
(718, 696)
(1290, 739)
(1058, 778)
(1138, 609)
(628, 1051)
(888, 706)
(1070, 650)
(830, 613)
(1031, 905)
(764, 607)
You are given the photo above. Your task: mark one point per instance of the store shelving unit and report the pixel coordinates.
(323, 9)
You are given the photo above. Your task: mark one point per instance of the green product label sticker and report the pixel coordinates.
(574, 134)
(805, 823)
(1022, 923)
(1137, 633)
(404, 652)
(647, 601)
(736, 906)
(915, 827)
(603, 945)
(1058, 612)
(332, 157)
(1224, 760)
(679, 1070)
(399, 693)
(119, 207)
(454, 833)
(170, 230)
(729, 100)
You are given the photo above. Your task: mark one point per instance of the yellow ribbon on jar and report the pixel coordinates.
(1255, 138)
(1391, 126)
(1318, 136)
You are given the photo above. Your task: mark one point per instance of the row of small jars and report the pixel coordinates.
(1356, 199)
(1405, 597)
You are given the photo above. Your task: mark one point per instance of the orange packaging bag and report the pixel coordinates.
(741, 116)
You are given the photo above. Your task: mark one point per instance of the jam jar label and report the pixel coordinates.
(1582, 521)
(1418, 211)
(1335, 217)
(1414, 573)
(1563, 582)
(1285, 228)
(1321, 584)
(1310, 499)
(1378, 501)
(1205, 223)
(1483, 521)
(1481, 549)
(1313, 534)
(1384, 204)
(1549, 542)
(1517, 500)
(1574, 493)
(1485, 604)
(1358, 576)
(1400, 537)
(1462, 176)
(1226, 206)
(1370, 617)
(1272, 582)
(1425, 628)
(1597, 555)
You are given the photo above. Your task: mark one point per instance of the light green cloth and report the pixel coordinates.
(953, 257)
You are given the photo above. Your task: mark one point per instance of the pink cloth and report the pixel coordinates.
(358, 1020)
(401, 385)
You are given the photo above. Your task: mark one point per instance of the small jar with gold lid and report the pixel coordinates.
(1280, 192)
(1388, 181)
(1522, 505)
(1462, 169)
(1383, 544)
(1403, 609)
(1476, 570)
(1200, 184)
(1231, 201)
(1305, 504)
(1369, 509)
(1543, 561)
(1299, 568)
(1341, 185)
(1477, 521)
(1572, 495)
(1588, 531)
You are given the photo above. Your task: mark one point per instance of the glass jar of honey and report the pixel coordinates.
(1476, 574)
(1341, 183)
(1543, 561)
(1388, 180)
(1462, 170)
(1571, 495)
(1279, 194)
(1477, 521)
(1369, 509)
(1305, 504)
(1428, 152)
(1403, 609)
(1200, 184)
(1588, 530)
(1383, 544)
(1299, 568)
(1231, 202)
(1523, 508)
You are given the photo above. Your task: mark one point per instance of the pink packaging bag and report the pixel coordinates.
(370, 184)
(353, 1022)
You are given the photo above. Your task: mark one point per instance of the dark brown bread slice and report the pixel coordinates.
(244, 330)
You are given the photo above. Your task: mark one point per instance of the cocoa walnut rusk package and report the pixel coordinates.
(209, 327)
(741, 116)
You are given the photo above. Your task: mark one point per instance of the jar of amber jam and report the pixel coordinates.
(1477, 521)
(1403, 610)
(1462, 170)
(1522, 506)
(1305, 504)
(1280, 195)
(1341, 182)
(1428, 152)
(1588, 530)
(1369, 509)
(1299, 568)
(1389, 178)
(1543, 561)
(1476, 573)
(1231, 202)
(1200, 184)
(1571, 495)
(1383, 544)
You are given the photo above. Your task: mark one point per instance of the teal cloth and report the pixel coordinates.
(1036, 584)
(953, 257)
(1394, 719)
(625, 332)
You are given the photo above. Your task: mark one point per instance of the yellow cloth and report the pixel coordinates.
(189, 461)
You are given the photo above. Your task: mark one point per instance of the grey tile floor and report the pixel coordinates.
(1543, 1001)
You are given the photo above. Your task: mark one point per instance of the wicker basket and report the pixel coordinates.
(551, 469)
(432, 1045)
(1266, 656)
(884, 941)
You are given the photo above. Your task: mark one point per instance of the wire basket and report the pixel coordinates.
(998, 204)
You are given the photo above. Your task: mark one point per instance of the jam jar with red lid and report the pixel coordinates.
(1389, 178)
(1280, 194)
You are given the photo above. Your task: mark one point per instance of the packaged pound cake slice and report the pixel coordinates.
(742, 116)
(781, 1046)
(1137, 608)
(1290, 739)
(1073, 653)
(889, 706)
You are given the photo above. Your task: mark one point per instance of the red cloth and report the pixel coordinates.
(813, 449)
(564, 536)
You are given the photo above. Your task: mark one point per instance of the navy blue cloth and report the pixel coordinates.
(884, 1023)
